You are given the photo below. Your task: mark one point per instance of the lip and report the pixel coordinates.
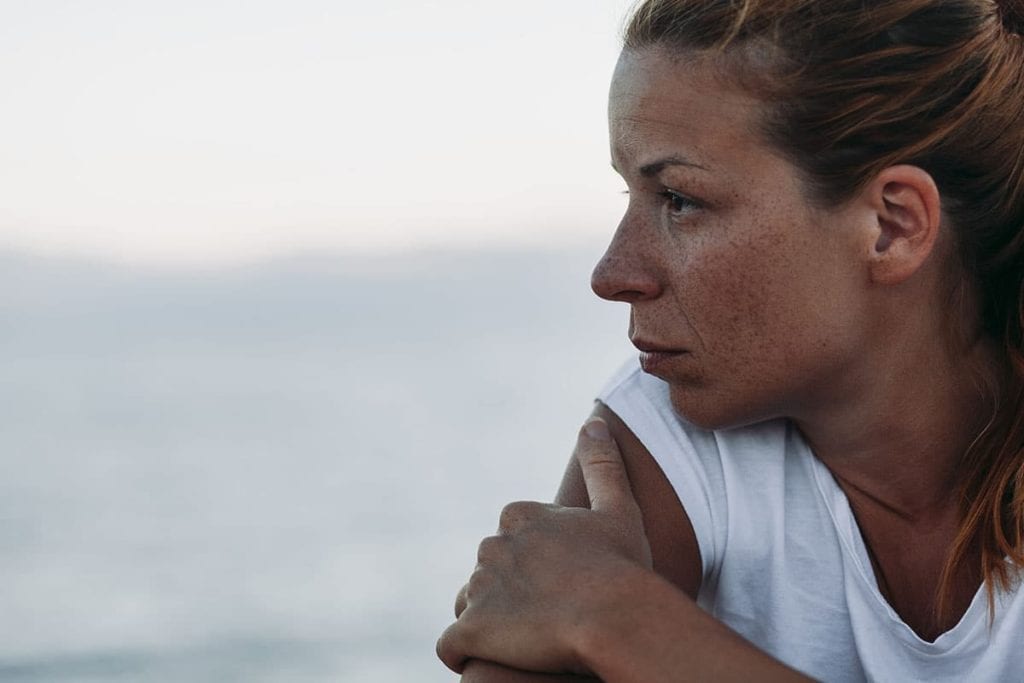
(655, 357)
(651, 347)
(655, 362)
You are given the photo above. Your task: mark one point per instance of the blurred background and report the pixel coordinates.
(293, 298)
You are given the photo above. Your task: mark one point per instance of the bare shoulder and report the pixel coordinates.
(673, 541)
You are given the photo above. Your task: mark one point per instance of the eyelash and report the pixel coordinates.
(671, 196)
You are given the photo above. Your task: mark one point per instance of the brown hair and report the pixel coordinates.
(853, 87)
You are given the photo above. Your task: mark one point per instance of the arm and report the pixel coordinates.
(574, 590)
(479, 671)
(678, 640)
(673, 543)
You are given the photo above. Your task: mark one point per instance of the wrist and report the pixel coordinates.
(604, 637)
(651, 631)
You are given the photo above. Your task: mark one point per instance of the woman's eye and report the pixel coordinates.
(679, 203)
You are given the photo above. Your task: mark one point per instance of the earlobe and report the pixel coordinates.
(906, 206)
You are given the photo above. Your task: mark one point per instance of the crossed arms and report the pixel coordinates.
(624, 612)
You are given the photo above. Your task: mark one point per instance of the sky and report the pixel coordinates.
(221, 132)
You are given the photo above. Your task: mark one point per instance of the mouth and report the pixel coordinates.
(655, 357)
(645, 346)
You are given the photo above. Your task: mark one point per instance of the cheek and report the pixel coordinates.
(745, 299)
(744, 306)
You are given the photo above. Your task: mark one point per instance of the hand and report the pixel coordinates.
(550, 570)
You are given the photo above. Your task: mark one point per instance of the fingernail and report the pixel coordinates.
(597, 429)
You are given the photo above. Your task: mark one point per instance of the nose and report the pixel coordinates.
(627, 271)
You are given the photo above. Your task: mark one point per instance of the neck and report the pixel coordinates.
(895, 439)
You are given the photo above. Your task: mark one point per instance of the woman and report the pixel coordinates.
(823, 256)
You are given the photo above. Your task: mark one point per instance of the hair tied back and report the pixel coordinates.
(1011, 12)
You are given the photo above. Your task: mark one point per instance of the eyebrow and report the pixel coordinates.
(655, 167)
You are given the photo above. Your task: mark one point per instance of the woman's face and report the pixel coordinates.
(747, 299)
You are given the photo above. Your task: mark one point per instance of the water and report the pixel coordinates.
(275, 473)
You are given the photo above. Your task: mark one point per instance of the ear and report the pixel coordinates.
(906, 217)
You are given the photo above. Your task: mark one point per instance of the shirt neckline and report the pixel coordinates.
(855, 551)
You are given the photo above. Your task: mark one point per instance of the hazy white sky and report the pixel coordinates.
(216, 131)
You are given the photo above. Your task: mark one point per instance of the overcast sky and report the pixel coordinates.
(210, 131)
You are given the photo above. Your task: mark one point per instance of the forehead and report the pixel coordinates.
(665, 104)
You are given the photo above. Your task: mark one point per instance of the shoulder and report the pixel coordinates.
(642, 402)
(674, 547)
(711, 476)
(702, 465)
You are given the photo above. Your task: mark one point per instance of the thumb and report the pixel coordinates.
(603, 470)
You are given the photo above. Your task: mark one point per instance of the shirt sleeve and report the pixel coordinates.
(688, 456)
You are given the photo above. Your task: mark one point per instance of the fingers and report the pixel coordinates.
(515, 516)
(451, 647)
(603, 470)
(461, 600)
(466, 639)
(491, 550)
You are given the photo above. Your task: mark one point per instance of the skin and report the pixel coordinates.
(523, 575)
(768, 305)
(675, 555)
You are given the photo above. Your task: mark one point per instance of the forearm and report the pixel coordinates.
(479, 671)
(661, 635)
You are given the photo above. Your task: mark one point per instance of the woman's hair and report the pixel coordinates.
(852, 87)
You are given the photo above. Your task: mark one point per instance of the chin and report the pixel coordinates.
(713, 411)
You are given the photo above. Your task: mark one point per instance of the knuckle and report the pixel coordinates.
(608, 466)
(479, 580)
(448, 649)
(441, 646)
(490, 549)
(590, 451)
(458, 643)
(515, 514)
(461, 600)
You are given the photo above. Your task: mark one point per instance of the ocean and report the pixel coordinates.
(276, 472)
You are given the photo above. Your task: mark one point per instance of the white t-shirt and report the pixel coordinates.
(784, 563)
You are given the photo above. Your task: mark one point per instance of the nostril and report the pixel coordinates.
(616, 279)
